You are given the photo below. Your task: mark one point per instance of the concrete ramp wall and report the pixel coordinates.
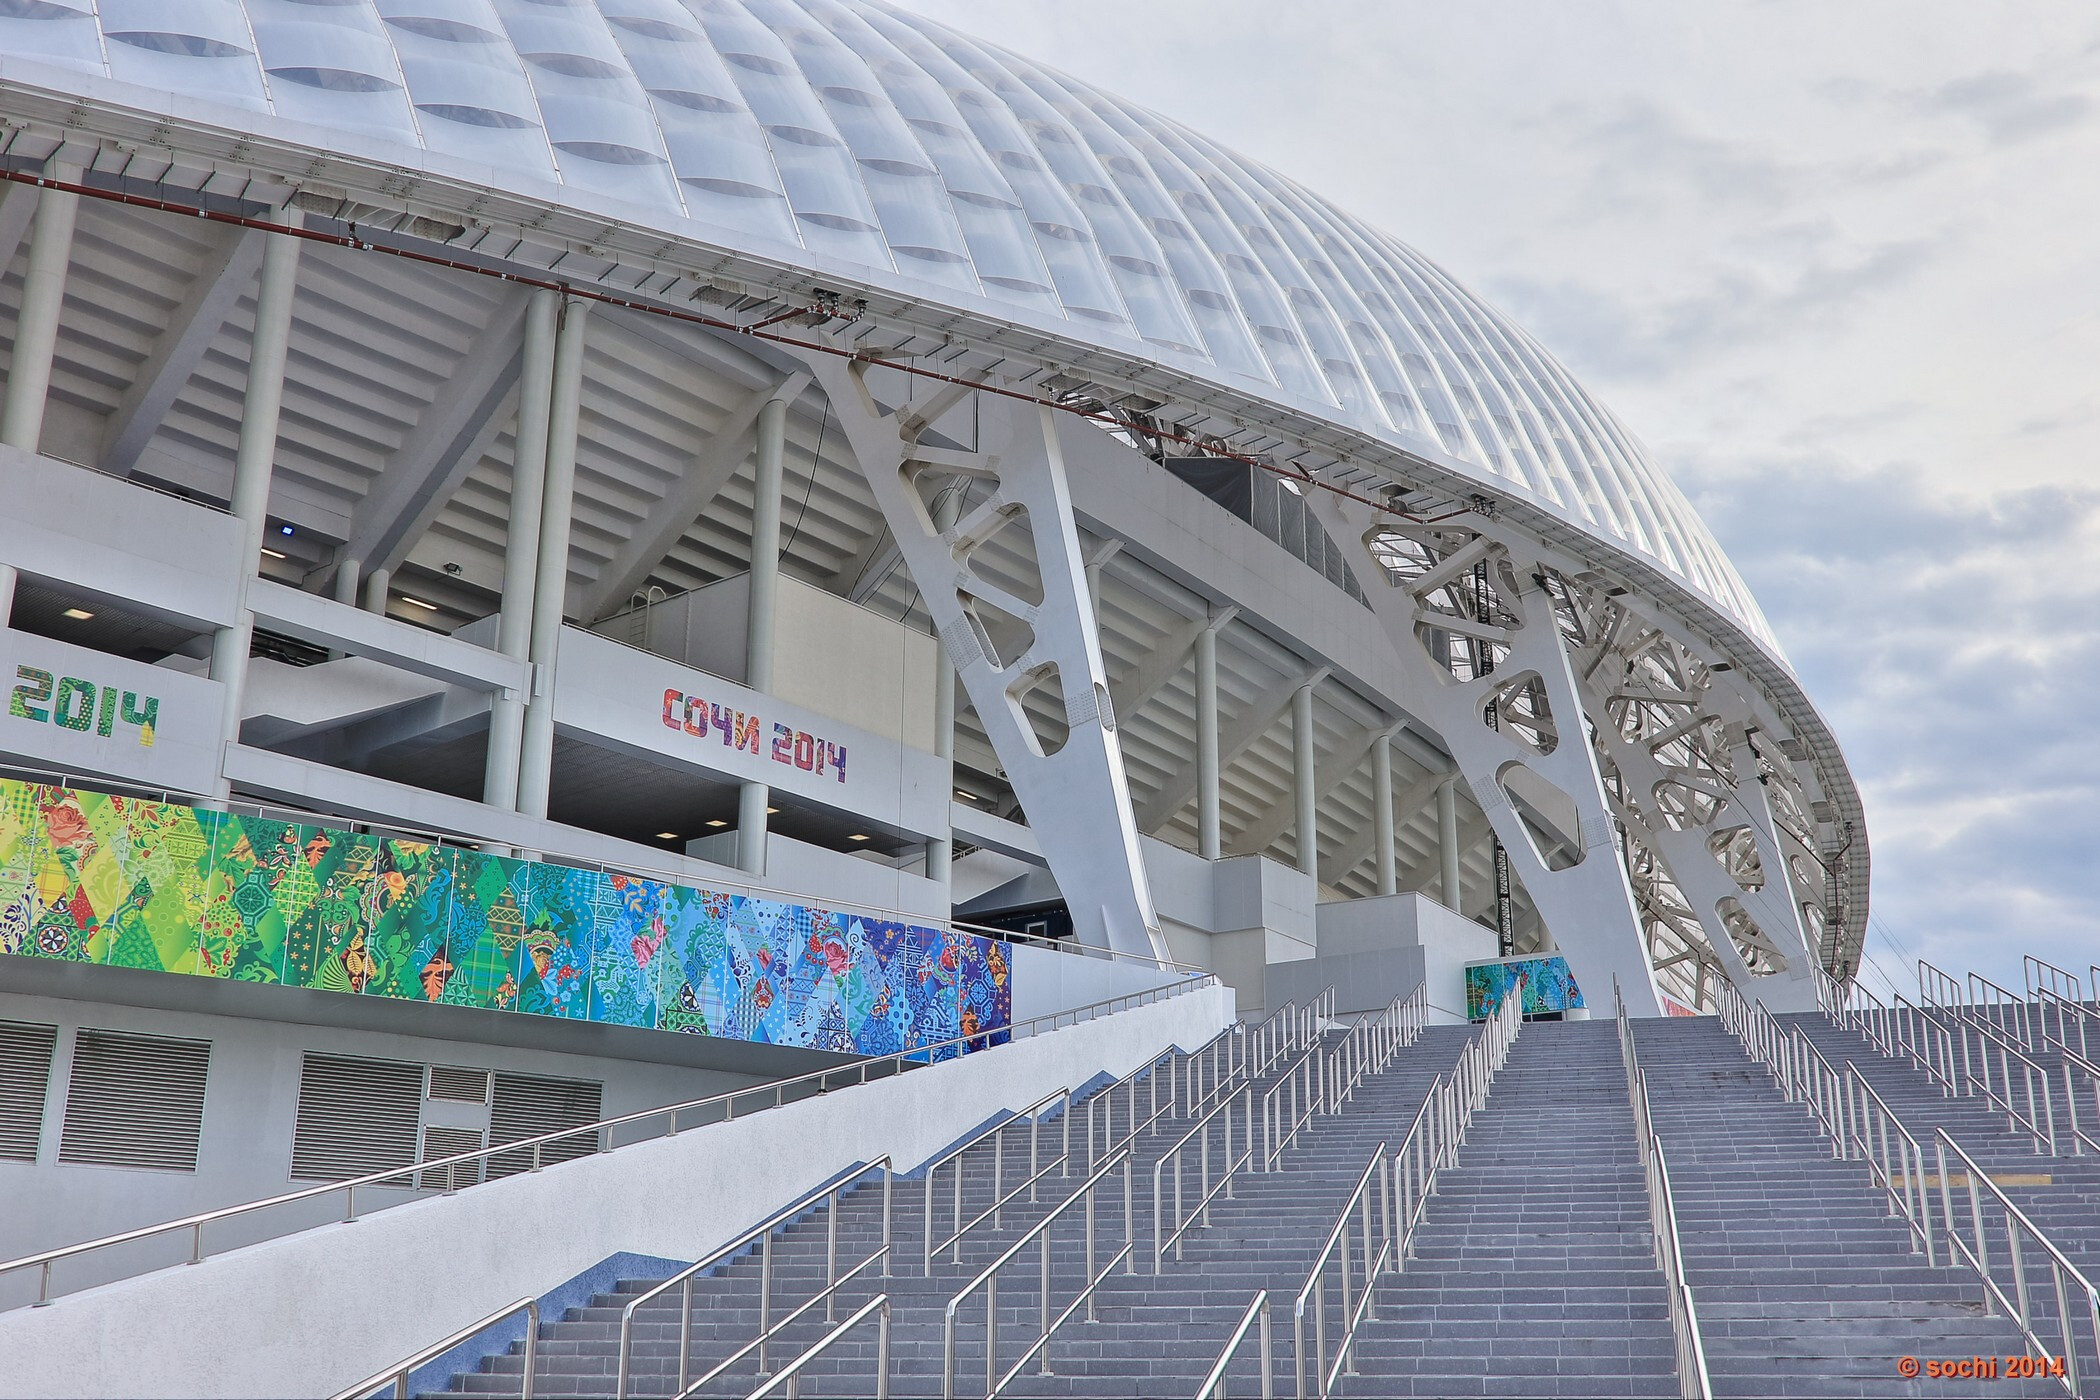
(312, 1313)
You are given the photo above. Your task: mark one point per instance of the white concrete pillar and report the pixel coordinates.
(1447, 841)
(9, 576)
(377, 585)
(1302, 779)
(1382, 813)
(348, 573)
(36, 327)
(521, 547)
(253, 459)
(761, 622)
(940, 850)
(1210, 842)
(551, 574)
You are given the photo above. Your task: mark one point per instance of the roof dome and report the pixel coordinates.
(876, 138)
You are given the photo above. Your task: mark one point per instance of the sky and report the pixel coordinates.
(1836, 266)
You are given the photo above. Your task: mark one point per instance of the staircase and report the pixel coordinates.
(1534, 1273)
(1805, 1285)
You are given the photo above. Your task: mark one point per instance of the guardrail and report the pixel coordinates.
(2041, 976)
(719, 1108)
(1407, 1179)
(1213, 1387)
(1876, 1136)
(762, 1235)
(1289, 1104)
(988, 1281)
(398, 1374)
(1373, 1041)
(2027, 1104)
(1693, 1381)
(791, 1374)
(1033, 1114)
(2071, 1290)
(1173, 1159)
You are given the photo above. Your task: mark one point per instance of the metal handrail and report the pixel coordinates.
(1373, 1041)
(2047, 976)
(2041, 1127)
(2001, 1007)
(1876, 1136)
(817, 1082)
(2065, 1012)
(988, 1281)
(762, 1234)
(1937, 988)
(2076, 1064)
(397, 1375)
(1213, 1387)
(828, 1298)
(1298, 1084)
(1337, 1248)
(1000, 1197)
(1201, 1134)
(790, 1375)
(1693, 1381)
(2066, 1279)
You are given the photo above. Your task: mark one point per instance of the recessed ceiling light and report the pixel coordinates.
(79, 614)
(771, 810)
(966, 796)
(271, 553)
(418, 603)
(667, 836)
(718, 822)
(857, 836)
(284, 529)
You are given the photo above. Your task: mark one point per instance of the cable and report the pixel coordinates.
(816, 460)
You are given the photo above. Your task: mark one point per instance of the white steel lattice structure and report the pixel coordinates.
(698, 290)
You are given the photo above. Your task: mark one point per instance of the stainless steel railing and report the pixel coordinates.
(1213, 1387)
(1693, 1380)
(2047, 976)
(762, 1235)
(1033, 1115)
(397, 1375)
(1895, 1159)
(1173, 1160)
(2009, 1275)
(1039, 1234)
(716, 1108)
(791, 1374)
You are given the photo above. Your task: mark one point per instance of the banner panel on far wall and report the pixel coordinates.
(124, 882)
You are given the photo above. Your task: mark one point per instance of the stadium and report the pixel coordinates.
(571, 564)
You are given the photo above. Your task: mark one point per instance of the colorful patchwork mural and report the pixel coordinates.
(1548, 985)
(121, 882)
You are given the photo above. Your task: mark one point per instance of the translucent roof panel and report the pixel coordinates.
(882, 140)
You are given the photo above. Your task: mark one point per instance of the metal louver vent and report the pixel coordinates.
(440, 1143)
(527, 1105)
(135, 1101)
(458, 1084)
(25, 1084)
(356, 1117)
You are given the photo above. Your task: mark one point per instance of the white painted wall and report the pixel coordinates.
(842, 876)
(1048, 980)
(183, 754)
(1372, 950)
(320, 1310)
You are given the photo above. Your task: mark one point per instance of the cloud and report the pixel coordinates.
(2008, 107)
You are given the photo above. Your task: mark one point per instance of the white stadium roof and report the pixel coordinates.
(856, 136)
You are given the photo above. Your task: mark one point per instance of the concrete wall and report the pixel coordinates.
(1372, 950)
(320, 1310)
(1047, 980)
(250, 1107)
(842, 876)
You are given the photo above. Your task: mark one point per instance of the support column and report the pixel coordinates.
(1447, 841)
(1382, 813)
(1302, 779)
(377, 584)
(1209, 833)
(551, 575)
(252, 462)
(940, 850)
(521, 547)
(347, 574)
(770, 471)
(9, 576)
(36, 328)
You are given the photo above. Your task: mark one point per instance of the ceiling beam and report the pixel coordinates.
(1330, 772)
(1351, 852)
(224, 276)
(1247, 726)
(462, 422)
(666, 523)
(1163, 661)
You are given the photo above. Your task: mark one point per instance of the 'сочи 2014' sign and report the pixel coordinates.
(742, 729)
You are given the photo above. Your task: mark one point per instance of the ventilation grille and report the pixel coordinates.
(440, 1143)
(527, 1106)
(356, 1117)
(135, 1101)
(459, 1085)
(25, 1083)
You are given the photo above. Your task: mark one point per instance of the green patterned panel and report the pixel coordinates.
(485, 940)
(411, 897)
(21, 840)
